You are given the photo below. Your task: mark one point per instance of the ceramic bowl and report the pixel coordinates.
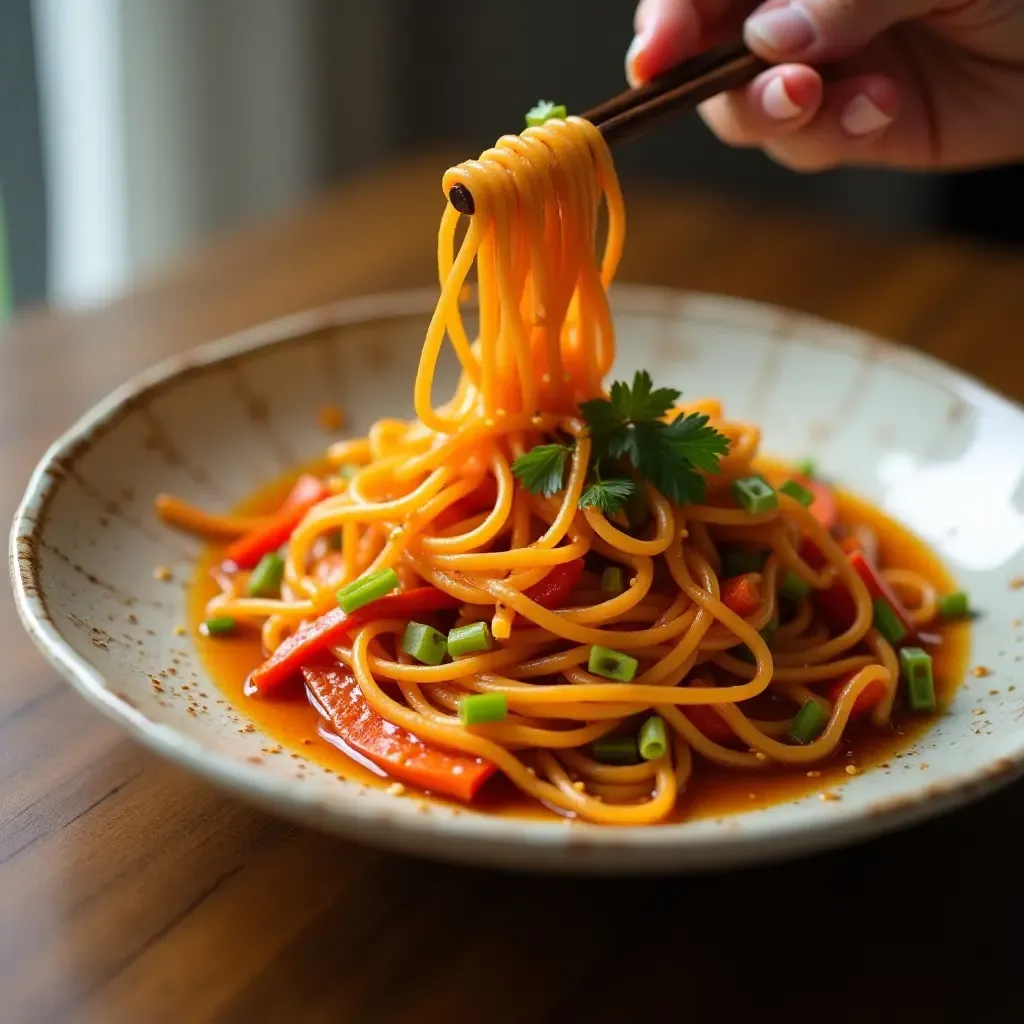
(931, 447)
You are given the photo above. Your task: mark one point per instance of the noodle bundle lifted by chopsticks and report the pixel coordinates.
(585, 590)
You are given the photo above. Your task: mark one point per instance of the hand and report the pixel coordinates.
(925, 84)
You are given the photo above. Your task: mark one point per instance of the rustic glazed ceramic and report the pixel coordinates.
(931, 447)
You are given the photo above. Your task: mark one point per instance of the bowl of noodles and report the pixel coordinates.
(547, 573)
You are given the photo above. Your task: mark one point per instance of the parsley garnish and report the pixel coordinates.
(542, 469)
(608, 495)
(629, 425)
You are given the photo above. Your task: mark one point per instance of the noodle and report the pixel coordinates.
(545, 345)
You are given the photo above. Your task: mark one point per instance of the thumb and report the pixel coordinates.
(816, 30)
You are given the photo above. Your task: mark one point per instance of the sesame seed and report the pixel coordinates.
(162, 573)
(813, 774)
(395, 789)
(852, 769)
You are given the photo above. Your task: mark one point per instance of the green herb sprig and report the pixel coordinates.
(628, 429)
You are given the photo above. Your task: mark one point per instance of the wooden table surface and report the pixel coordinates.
(130, 891)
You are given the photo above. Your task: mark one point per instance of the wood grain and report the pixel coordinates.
(130, 891)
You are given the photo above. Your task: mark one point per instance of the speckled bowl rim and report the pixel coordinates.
(383, 820)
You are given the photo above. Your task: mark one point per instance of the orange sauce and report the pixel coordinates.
(713, 791)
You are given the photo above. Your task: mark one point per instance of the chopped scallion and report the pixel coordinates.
(265, 580)
(887, 622)
(424, 643)
(737, 561)
(755, 494)
(954, 606)
(806, 467)
(366, 589)
(544, 110)
(480, 708)
(916, 669)
(621, 749)
(219, 625)
(798, 491)
(794, 587)
(348, 470)
(611, 664)
(808, 722)
(469, 639)
(653, 741)
(612, 580)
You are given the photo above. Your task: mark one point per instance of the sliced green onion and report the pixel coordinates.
(544, 110)
(612, 580)
(916, 669)
(954, 606)
(806, 467)
(620, 749)
(366, 589)
(808, 722)
(798, 491)
(611, 664)
(767, 633)
(653, 741)
(737, 561)
(265, 580)
(887, 622)
(219, 625)
(424, 643)
(755, 494)
(469, 639)
(348, 470)
(794, 587)
(480, 708)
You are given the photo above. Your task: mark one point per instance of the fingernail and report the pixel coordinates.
(785, 30)
(634, 51)
(777, 102)
(862, 117)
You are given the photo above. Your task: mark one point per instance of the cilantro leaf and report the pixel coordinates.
(609, 418)
(643, 401)
(696, 441)
(542, 469)
(604, 422)
(658, 461)
(608, 496)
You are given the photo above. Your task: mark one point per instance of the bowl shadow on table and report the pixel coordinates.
(912, 926)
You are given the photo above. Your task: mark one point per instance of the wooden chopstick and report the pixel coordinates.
(634, 112)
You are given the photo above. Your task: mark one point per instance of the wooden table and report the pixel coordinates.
(130, 891)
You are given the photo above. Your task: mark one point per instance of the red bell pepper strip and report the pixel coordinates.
(741, 595)
(837, 602)
(401, 754)
(303, 647)
(866, 699)
(710, 723)
(824, 508)
(245, 552)
(705, 718)
(552, 591)
(476, 501)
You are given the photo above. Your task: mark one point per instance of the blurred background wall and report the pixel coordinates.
(131, 130)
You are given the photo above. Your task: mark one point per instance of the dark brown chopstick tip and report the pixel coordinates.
(462, 199)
